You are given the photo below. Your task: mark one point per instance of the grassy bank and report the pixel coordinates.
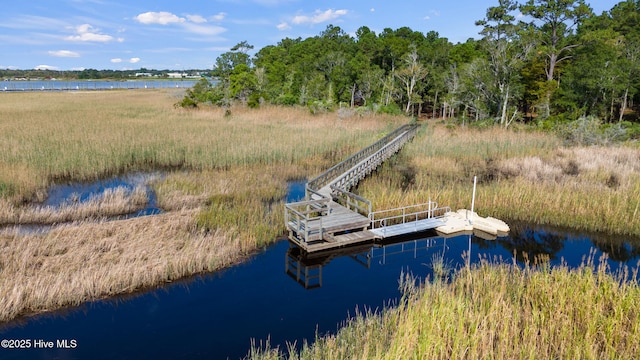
(495, 311)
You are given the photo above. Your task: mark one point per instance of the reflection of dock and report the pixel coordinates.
(306, 267)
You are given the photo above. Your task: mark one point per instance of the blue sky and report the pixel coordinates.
(190, 34)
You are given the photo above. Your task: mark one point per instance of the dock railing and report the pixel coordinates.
(335, 171)
(353, 175)
(405, 214)
(351, 201)
(304, 218)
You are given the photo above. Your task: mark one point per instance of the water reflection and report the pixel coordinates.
(526, 243)
(306, 268)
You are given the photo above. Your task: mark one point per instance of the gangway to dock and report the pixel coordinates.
(331, 216)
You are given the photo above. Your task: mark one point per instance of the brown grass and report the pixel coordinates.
(112, 202)
(222, 194)
(524, 176)
(87, 136)
(76, 263)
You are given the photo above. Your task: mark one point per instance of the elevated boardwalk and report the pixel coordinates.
(332, 217)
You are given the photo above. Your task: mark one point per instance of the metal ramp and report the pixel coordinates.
(407, 228)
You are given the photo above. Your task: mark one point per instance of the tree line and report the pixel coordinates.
(557, 62)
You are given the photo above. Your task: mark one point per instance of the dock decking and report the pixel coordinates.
(331, 216)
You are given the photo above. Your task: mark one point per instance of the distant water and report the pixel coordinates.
(84, 85)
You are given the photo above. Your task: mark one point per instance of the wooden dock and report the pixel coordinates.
(332, 217)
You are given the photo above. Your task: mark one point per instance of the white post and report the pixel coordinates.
(473, 197)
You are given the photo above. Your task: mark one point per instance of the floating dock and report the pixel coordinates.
(331, 216)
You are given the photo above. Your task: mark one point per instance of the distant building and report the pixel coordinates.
(143, 75)
(176, 75)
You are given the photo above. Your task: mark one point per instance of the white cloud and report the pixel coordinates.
(162, 18)
(283, 26)
(116, 60)
(435, 13)
(46, 67)
(219, 17)
(77, 69)
(134, 60)
(319, 17)
(64, 53)
(86, 32)
(196, 19)
(372, 9)
(203, 30)
(191, 23)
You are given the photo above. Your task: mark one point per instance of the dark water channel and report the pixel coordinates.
(215, 316)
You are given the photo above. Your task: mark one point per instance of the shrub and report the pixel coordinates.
(187, 102)
(255, 99)
(391, 109)
(286, 99)
(320, 106)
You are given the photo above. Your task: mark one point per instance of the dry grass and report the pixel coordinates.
(496, 311)
(83, 261)
(112, 202)
(522, 176)
(87, 136)
(76, 263)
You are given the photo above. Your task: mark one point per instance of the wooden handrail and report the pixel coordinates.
(326, 177)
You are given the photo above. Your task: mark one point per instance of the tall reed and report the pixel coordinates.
(524, 176)
(495, 311)
(85, 136)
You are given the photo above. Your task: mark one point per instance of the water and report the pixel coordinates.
(76, 193)
(84, 85)
(215, 316)
(66, 194)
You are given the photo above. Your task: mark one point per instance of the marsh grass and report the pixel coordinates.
(47, 137)
(112, 202)
(222, 193)
(218, 218)
(86, 261)
(497, 311)
(524, 176)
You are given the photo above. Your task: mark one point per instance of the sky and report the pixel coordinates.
(191, 34)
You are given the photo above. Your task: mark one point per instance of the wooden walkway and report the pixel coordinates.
(332, 217)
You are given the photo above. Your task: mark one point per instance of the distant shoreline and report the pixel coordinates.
(101, 84)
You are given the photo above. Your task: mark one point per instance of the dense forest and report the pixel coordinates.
(562, 64)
